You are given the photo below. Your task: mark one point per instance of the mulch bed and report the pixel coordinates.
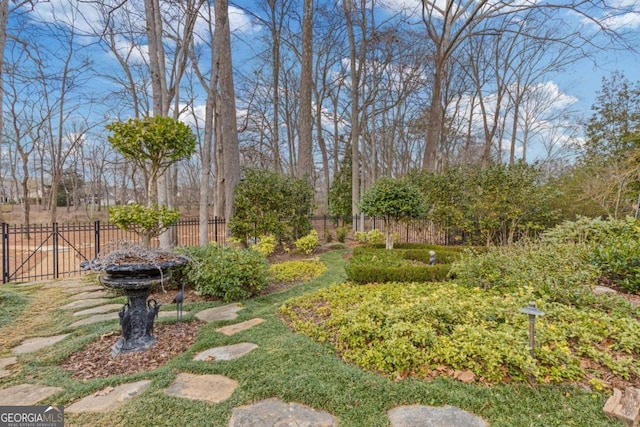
(96, 360)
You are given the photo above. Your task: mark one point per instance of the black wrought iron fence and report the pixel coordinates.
(51, 251)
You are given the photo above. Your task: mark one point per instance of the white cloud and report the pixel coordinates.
(133, 53)
(79, 15)
(86, 18)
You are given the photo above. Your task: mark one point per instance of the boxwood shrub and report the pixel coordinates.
(404, 263)
(362, 273)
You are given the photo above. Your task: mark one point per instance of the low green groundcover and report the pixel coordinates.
(297, 271)
(415, 329)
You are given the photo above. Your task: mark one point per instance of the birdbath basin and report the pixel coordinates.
(137, 316)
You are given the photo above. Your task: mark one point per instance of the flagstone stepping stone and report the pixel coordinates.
(275, 412)
(168, 315)
(70, 283)
(115, 316)
(5, 363)
(209, 388)
(624, 405)
(603, 290)
(82, 303)
(83, 288)
(108, 398)
(228, 352)
(99, 309)
(95, 319)
(26, 394)
(431, 416)
(239, 327)
(90, 295)
(225, 312)
(30, 345)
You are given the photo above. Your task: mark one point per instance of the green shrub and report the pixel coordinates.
(341, 233)
(366, 255)
(267, 202)
(374, 264)
(362, 273)
(329, 236)
(265, 245)
(145, 221)
(373, 237)
(563, 261)
(295, 271)
(308, 243)
(558, 272)
(228, 273)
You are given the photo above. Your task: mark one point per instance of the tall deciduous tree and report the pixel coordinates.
(227, 150)
(449, 24)
(356, 64)
(305, 140)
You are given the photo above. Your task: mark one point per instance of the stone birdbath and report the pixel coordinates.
(136, 272)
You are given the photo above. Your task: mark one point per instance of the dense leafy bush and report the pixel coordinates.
(372, 237)
(564, 262)
(341, 233)
(265, 245)
(613, 246)
(228, 273)
(419, 328)
(147, 222)
(270, 203)
(294, 271)
(308, 243)
(498, 204)
(558, 272)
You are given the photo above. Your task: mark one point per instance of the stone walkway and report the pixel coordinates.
(91, 304)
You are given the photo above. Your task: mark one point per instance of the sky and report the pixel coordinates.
(577, 86)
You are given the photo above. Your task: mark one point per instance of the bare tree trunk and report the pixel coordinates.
(206, 164)
(305, 142)
(227, 105)
(355, 109)
(4, 16)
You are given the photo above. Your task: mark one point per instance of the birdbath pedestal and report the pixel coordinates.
(137, 316)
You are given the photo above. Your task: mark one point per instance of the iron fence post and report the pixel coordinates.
(5, 252)
(56, 265)
(96, 238)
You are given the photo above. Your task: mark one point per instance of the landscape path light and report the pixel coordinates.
(533, 312)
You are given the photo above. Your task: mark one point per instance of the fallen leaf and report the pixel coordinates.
(465, 376)
(104, 391)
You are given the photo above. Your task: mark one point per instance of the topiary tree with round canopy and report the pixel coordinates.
(393, 200)
(153, 144)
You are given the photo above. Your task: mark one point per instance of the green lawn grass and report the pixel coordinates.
(293, 368)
